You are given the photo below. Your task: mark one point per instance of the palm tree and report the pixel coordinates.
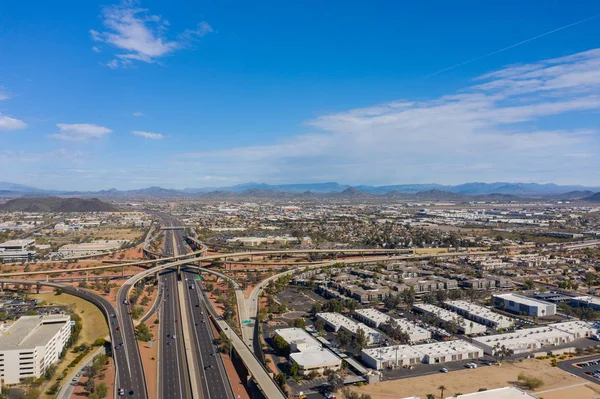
(430, 396)
(442, 389)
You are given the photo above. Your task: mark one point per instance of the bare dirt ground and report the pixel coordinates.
(149, 358)
(471, 380)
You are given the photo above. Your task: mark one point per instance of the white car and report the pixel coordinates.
(121, 392)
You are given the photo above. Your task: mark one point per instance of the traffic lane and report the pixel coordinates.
(214, 369)
(170, 366)
(569, 367)
(124, 376)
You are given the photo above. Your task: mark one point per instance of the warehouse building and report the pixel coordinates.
(436, 353)
(448, 318)
(375, 318)
(336, 321)
(308, 353)
(532, 339)
(480, 314)
(591, 302)
(90, 248)
(520, 304)
(498, 393)
(31, 344)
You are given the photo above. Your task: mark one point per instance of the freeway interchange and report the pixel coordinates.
(189, 364)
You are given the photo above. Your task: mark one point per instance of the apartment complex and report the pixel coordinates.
(31, 344)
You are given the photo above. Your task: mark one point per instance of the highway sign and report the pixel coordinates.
(197, 278)
(247, 321)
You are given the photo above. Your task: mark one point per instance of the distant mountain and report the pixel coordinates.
(55, 204)
(594, 198)
(422, 191)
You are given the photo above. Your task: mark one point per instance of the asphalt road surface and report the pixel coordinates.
(215, 384)
(569, 366)
(173, 373)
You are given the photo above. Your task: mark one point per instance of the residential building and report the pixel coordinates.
(520, 304)
(31, 344)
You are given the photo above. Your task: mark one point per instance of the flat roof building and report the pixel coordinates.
(375, 318)
(31, 344)
(308, 353)
(480, 314)
(17, 245)
(336, 321)
(447, 317)
(498, 393)
(591, 302)
(520, 304)
(401, 355)
(531, 339)
(17, 250)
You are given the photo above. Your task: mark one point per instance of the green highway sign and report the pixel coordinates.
(247, 321)
(197, 278)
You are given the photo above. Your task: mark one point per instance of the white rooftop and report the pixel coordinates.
(477, 310)
(315, 358)
(338, 319)
(298, 336)
(498, 393)
(446, 348)
(31, 331)
(522, 300)
(521, 338)
(446, 315)
(390, 352)
(17, 243)
(591, 299)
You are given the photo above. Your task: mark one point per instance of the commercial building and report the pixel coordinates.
(31, 344)
(375, 318)
(591, 302)
(17, 250)
(498, 393)
(532, 339)
(337, 321)
(90, 248)
(520, 304)
(308, 353)
(480, 314)
(436, 353)
(449, 318)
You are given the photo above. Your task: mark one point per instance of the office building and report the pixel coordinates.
(17, 250)
(31, 344)
(520, 304)
(308, 353)
(591, 302)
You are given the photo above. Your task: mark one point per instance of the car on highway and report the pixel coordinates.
(121, 392)
(118, 328)
(210, 366)
(443, 370)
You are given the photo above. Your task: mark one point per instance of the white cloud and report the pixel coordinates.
(140, 36)
(138, 113)
(96, 49)
(80, 131)
(8, 123)
(148, 135)
(519, 122)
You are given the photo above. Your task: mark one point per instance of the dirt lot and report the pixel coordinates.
(93, 323)
(467, 381)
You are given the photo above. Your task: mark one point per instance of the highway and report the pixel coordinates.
(130, 374)
(215, 384)
(173, 378)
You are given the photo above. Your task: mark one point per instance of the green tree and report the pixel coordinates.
(294, 369)
(102, 390)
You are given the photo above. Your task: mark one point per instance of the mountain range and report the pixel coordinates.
(498, 191)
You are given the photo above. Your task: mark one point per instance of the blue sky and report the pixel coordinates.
(95, 95)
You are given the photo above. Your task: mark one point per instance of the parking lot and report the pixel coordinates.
(298, 300)
(576, 367)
